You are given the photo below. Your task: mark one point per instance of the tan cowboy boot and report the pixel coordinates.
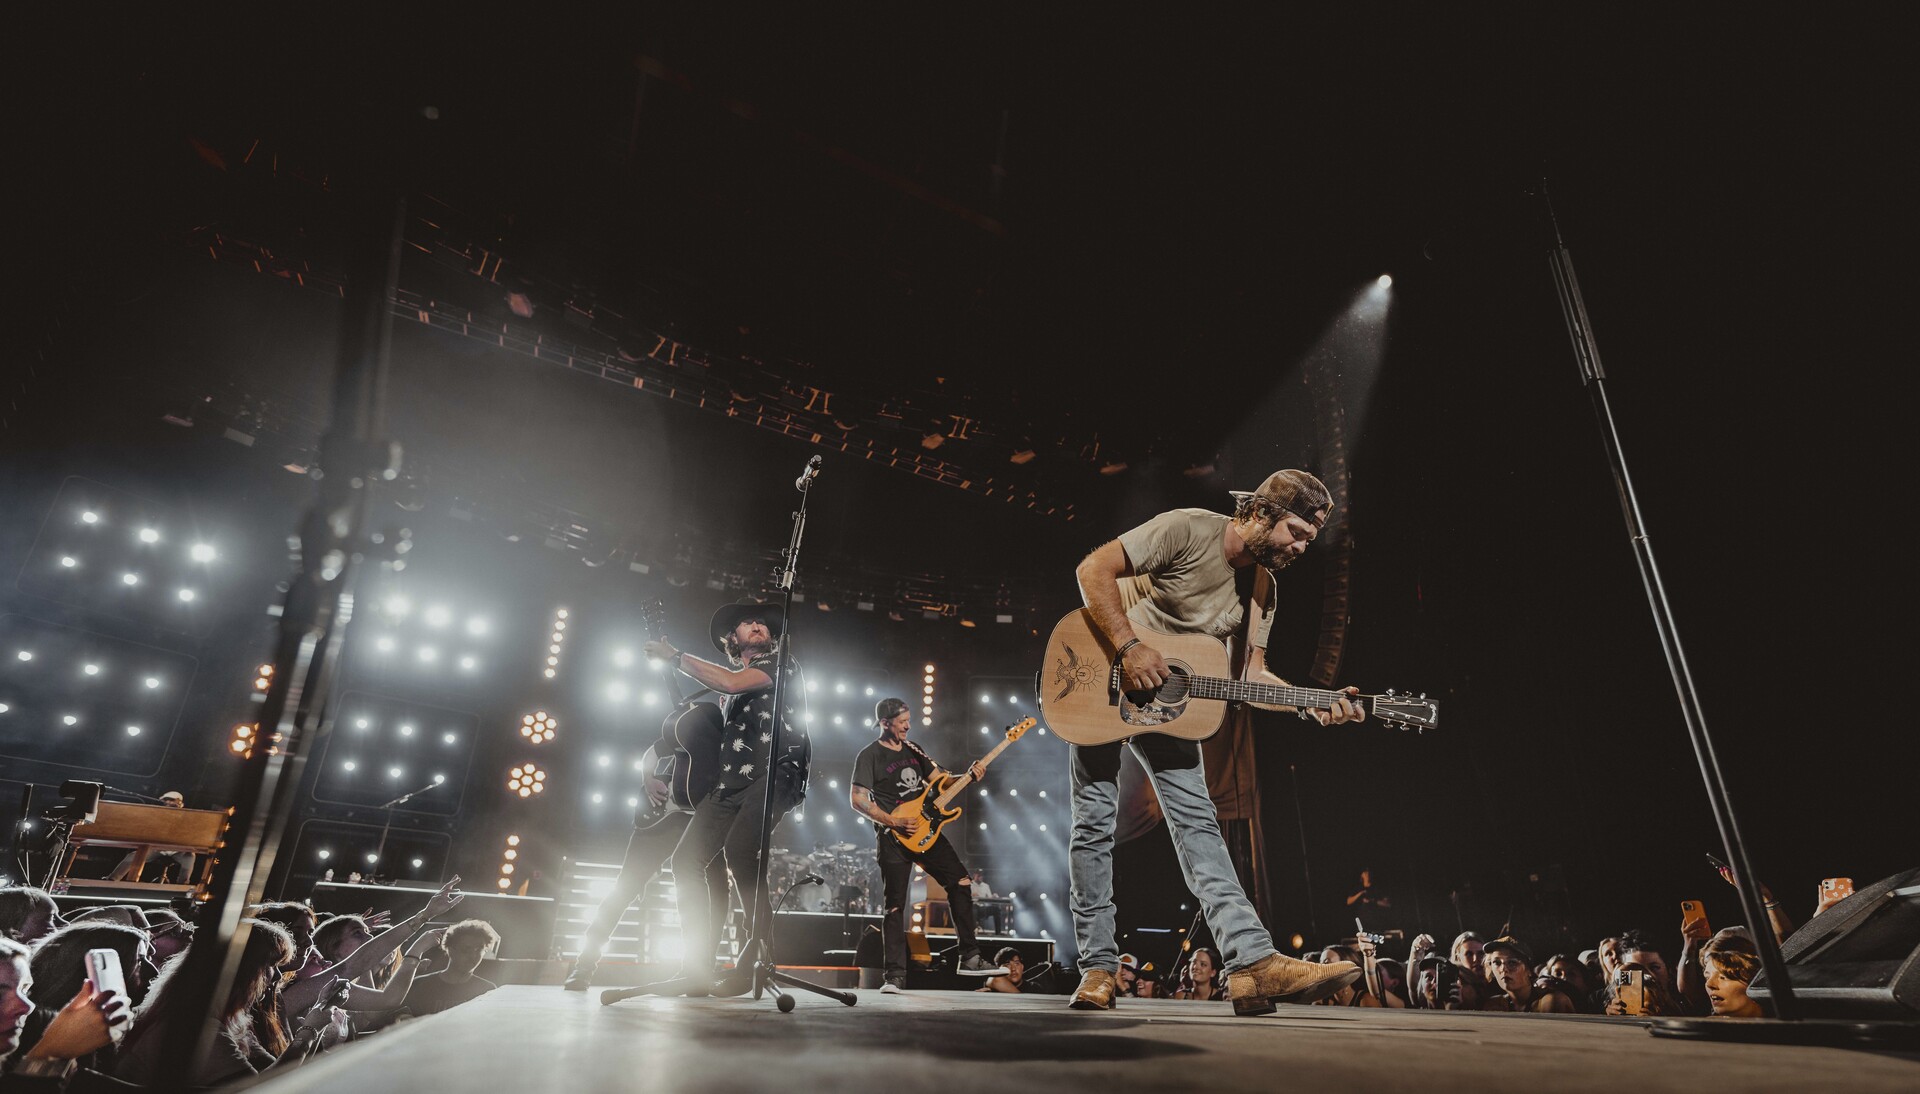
(1278, 978)
(1097, 989)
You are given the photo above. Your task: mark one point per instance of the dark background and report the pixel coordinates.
(1127, 230)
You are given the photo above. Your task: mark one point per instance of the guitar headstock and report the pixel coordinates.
(1407, 711)
(1019, 728)
(655, 614)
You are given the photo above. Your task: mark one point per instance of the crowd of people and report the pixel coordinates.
(307, 982)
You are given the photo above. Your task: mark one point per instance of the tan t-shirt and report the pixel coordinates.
(1193, 589)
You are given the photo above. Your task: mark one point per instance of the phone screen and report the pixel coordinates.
(103, 968)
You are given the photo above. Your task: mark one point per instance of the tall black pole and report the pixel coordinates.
(1586, 354)
(334, 542)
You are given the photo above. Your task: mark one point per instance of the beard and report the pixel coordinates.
(1264, 551)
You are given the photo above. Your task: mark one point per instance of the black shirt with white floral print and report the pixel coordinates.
(748, 732)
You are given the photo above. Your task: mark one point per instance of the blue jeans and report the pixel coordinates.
(1181, 783)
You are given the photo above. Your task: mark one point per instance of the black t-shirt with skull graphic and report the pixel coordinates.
(891, 776)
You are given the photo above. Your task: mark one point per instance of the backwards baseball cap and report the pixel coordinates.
(1512, 946)
(1297, 492)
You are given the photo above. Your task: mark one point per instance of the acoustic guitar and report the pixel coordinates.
(690, 735)
(928, 809)
(1084, 701)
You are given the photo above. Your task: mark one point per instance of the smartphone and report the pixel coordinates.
(103, 969)
(1692, 912)
(1717, 864)
(1835, 888)
(1631, 990)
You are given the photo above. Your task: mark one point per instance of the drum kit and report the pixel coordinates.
(849, 878)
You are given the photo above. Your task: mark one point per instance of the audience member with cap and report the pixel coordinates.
(1510, 970)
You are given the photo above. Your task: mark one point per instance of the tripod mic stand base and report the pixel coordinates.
(769, 980)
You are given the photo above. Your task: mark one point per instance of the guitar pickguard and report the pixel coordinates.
(1160, 707)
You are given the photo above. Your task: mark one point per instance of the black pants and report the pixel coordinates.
(942, 864)
(654, 838)
(726, 824)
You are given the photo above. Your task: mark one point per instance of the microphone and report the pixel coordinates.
(807, 476)
(812, 879)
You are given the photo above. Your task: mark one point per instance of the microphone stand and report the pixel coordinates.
(766, 977)
(1593, 377)
(380, 852)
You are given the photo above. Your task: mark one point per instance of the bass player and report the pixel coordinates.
(888, 771)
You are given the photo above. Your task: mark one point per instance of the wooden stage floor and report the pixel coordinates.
(538, 1038)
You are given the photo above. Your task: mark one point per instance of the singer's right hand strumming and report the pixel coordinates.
(1143, 668)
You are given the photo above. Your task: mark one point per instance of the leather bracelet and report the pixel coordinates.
(1121, 653)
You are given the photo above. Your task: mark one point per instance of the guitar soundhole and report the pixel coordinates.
(1153, 708)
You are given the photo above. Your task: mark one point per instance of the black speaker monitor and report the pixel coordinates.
(1859, 958)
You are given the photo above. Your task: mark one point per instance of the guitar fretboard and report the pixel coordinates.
(1247, 691)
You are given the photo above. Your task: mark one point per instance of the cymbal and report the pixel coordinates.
(841, 846)
(777, 851)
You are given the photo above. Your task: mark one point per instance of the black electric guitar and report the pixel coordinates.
(690, 735)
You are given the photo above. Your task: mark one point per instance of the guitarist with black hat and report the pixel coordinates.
(888, 771)
(728, 819)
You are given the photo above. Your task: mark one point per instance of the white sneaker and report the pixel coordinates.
(891, 988)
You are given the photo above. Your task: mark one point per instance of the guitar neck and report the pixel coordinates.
(961, 783)
(1248, 691)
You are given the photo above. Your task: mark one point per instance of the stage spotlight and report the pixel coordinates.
(89, 517)
(840, 688)
(622, 658)
(395, 772)
(468, 662)
(325, 854)
(70, 719)
(359, 723)
(1043, 793)
(25, 655)
(397, 605)
(986, 731)
(639, 765)
(617, 691)
(603, 760)
(833, 784)
(869, 692)
(406, 731)
(152, 682)
(1043, 828)
(526, 780)
(130, 578)
(69, 561)
(92, 670)
(201, 552)
(1014, 793)
(384, 644)
(1385, 281)
(983, 826)
(4, 708)
(598, 798)
(350, 766)
(449, 738)
(439, 778)
(372, 858)
(813, 685)
(417, 863)
(539, 727)
(187, 595)
(648, 698)
(429, 654)
(438, 616)
(148, 535)
(133, 731)
(477, 627)
(262, 676)
(799, 816)
(838, 720)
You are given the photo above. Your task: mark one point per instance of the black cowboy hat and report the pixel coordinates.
(730, 616)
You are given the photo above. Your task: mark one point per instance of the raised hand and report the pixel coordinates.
(89, 1022)
(448, 895)
(419, 946)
